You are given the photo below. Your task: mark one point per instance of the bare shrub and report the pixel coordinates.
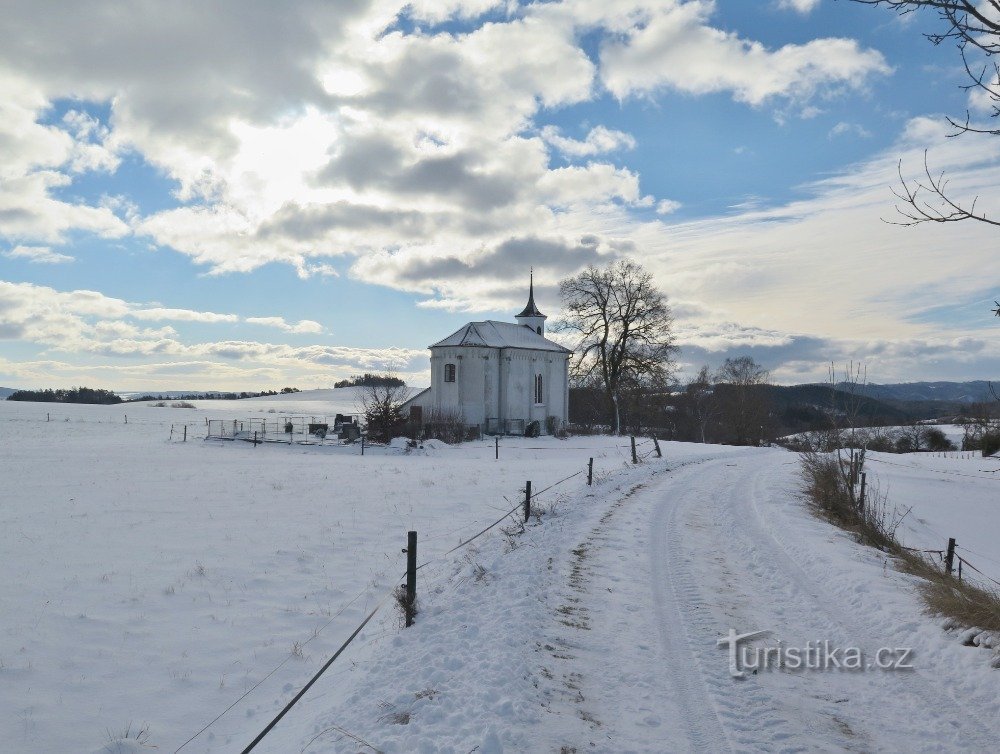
(968, 603)
(127, 739)
(828, 489)
(445, 425)
(511, 535)
(406, 606)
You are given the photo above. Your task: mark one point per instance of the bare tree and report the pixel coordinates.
(743, 403)
(974, 27)
(381, 404)
(702, 401)
(624, 326)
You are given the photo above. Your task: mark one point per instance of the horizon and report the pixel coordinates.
(419, 386)
(292, 196)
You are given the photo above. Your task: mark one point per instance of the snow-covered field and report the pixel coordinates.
(947, 495)
(155, 583)
(148, 581)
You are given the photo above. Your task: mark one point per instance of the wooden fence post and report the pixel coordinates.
(949, 558)
(362, 444)
(497, 441)
(861, 496)
(635, 458)
(411, 576)
(959, 570)
(47, 418)
(527, 501)
(185, 433)
(656, 444)
(590, 472)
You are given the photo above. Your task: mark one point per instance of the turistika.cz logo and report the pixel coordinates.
(747, 657)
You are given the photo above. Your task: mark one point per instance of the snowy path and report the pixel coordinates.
(675, 563)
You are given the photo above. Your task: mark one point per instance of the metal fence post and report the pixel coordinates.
(949, 558)
(635, 458)
(411, 575)
(527, 500)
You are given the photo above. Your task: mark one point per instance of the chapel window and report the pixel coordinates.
(449, 372)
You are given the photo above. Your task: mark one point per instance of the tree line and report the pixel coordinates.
(70, 395)
(371, 380)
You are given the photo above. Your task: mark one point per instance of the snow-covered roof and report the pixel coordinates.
(492, 334)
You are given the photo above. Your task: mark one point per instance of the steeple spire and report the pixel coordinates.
(530, 310)
(530, 316)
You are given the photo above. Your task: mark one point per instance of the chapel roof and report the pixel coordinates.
(492, 334)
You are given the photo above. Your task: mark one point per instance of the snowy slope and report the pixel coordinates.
(170, 584)
(599, 633)
(156, 582)
(947, 495)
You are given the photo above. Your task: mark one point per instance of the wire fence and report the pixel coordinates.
(388, 594)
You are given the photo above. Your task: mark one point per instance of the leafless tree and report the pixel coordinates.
(743, 406)
(974, 27)
(701, 399)
(624, 326)
(381, 404)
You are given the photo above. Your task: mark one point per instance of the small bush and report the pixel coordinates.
(446, 426)
(990, 444)
(937, 441)
(127, 740)
(183, 404)
(405, 604)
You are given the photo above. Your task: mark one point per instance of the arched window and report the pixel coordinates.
(449, 372)
(538, 389)
(539, 329)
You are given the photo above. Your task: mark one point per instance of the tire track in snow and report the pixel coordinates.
(603, 613)
(716, 718)
(728, 569)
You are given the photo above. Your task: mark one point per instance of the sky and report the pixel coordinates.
(233, 196)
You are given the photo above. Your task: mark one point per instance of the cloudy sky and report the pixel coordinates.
(235, 195)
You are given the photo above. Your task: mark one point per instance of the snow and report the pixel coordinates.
(953, 494)
(154, 582)
(343, 400)
(151, 584)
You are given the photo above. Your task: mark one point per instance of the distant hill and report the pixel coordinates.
(956, 392)
(802, 407)
(5, 391)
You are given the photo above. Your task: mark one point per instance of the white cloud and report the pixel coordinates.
(842, 128)
(678, 49)
(181, 315)
(302, 326)
(76, 324)
(799, 6)
(599, 140)
(667, 206)
(38, 255)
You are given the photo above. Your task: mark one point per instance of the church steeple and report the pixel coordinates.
(530, 316)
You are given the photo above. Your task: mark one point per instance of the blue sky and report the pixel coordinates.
(196, 198)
